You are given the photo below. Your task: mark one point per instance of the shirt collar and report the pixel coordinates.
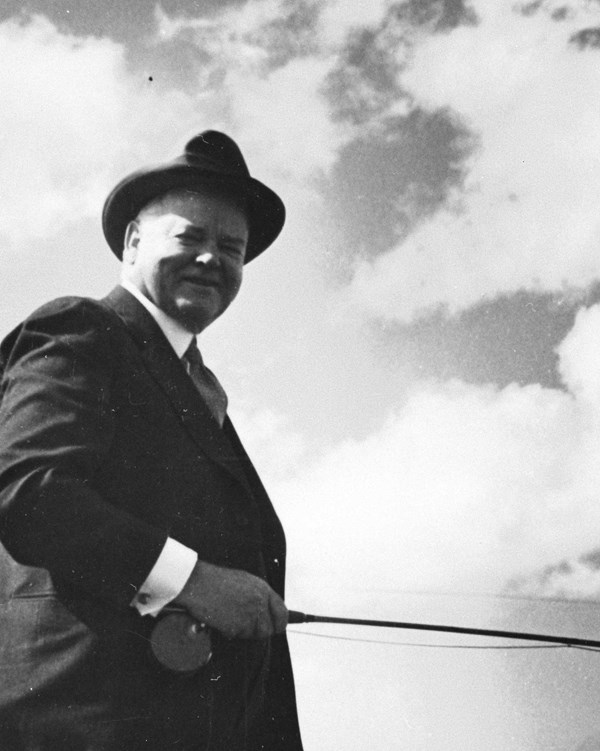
(178, 337)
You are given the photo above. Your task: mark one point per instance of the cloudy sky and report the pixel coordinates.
(415, 364)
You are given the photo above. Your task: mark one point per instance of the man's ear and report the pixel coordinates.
(131, 243)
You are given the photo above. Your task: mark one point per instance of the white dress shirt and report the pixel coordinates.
(176, 561)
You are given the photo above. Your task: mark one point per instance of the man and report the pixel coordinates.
(125, 492)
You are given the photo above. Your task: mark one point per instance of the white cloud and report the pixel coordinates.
(236, 26)
(464, 488)
(279, 114)
(76, 119)
(528, 216)
(73, 121)
(285, 121)
(580, 358)
(571, 578)
(226, 37)
(268, 435)
(339, 17)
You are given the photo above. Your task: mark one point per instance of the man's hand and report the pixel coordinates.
(234, 602)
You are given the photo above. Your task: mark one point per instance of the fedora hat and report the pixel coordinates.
(210, 158)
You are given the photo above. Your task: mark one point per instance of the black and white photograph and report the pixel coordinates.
(300, 375)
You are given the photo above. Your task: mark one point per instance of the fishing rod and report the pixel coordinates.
(181, 644)
(295, 616)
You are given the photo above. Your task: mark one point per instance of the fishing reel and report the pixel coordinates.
(179, 643)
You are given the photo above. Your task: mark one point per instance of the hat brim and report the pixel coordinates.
(266, 212)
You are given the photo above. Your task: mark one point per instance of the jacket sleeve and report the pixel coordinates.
(56, 429)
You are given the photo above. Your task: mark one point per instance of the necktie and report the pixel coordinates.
(206, 382)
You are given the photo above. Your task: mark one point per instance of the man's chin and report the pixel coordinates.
(195, 318)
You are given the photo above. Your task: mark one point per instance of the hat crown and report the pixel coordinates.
(216, 151)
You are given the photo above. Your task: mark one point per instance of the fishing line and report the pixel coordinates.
(436, 646)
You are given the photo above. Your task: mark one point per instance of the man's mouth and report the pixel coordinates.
(201, 281)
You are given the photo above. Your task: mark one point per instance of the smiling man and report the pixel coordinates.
(185, 252)
(132, 521)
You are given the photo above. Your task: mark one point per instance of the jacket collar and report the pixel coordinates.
(167, 370)
(178, 337)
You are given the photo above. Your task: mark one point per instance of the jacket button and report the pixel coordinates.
(242, 520)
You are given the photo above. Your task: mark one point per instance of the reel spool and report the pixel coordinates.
(181, 644)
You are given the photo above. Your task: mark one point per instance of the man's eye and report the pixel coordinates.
(231, 250)
(186, 239)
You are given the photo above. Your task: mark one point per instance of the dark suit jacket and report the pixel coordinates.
(106, 448)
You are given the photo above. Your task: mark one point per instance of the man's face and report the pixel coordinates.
(185, 252)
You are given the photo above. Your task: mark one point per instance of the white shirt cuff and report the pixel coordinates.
(166, 579)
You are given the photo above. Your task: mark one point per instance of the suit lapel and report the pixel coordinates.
(163, 365)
